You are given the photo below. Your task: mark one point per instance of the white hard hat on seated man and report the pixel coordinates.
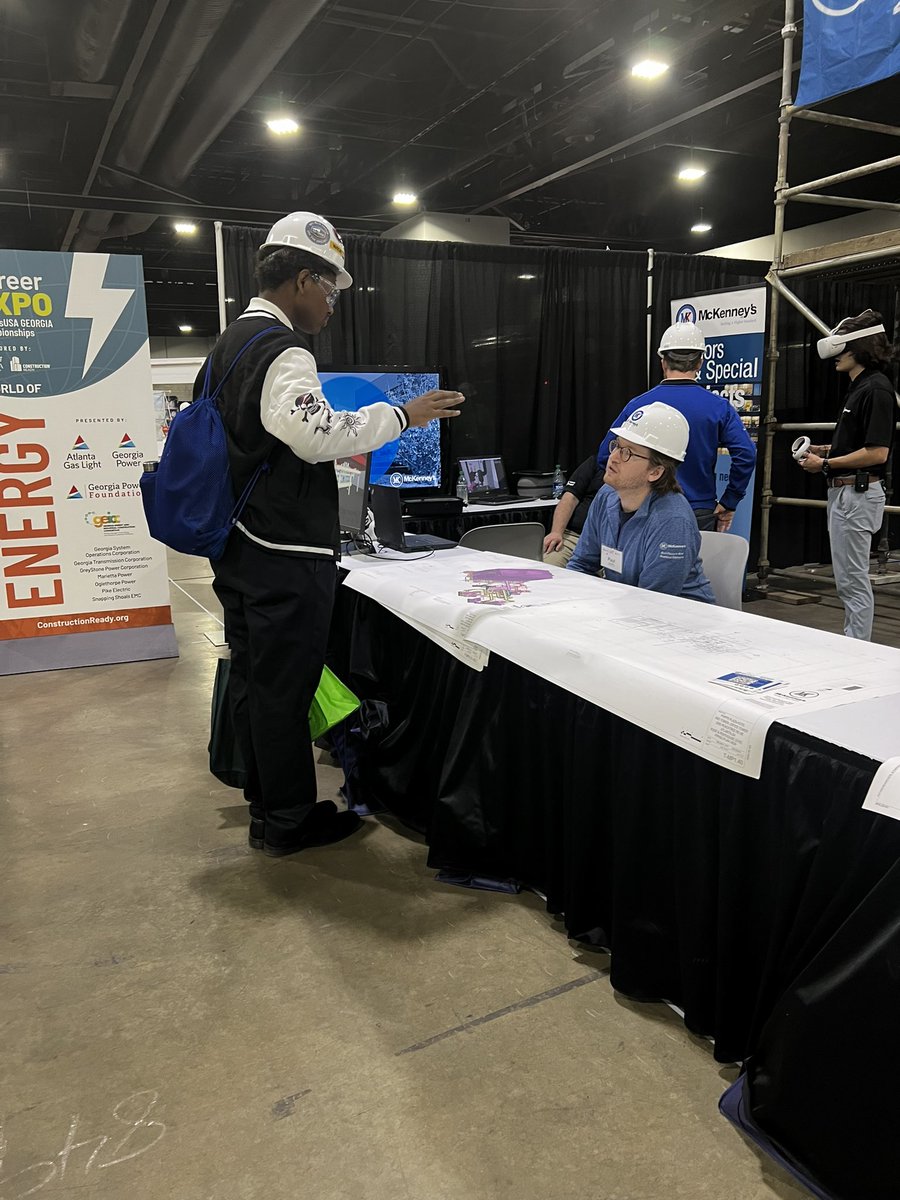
(659, 427)
(314, 234)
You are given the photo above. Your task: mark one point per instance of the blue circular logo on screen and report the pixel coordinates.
(686, 315)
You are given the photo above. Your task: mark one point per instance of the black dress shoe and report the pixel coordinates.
(322, 827)
(257, 835)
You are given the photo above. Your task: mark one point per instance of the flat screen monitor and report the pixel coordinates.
(352, 474)
(413, 460)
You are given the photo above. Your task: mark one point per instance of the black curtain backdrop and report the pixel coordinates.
(548, 344)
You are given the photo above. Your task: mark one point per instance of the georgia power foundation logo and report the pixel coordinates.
(686, 315)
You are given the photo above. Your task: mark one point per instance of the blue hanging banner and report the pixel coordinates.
(847, 44)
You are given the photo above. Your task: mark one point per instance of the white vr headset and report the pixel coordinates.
(836, 343)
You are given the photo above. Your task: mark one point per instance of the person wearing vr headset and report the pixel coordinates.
(277, 577)
(855, 463)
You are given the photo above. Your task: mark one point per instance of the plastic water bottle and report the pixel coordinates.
(461, 490)
(559, 482)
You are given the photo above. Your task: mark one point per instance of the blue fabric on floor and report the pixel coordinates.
(480, 882)
(735, 1106)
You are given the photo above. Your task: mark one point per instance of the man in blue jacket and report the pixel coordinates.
(641, 530)
(713, 423)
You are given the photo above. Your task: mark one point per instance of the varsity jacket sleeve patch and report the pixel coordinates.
(293, 409)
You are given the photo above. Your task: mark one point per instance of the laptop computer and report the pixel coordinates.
(486, 481)
(389, 525)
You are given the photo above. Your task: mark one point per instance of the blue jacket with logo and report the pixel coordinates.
(660, 545)
(713, 423)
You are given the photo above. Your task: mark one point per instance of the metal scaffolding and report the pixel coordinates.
(860, 250)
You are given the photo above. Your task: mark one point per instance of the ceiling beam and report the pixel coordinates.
(592, 160)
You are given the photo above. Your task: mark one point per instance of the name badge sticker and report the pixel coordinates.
(610, 559)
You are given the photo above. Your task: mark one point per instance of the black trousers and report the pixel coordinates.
(277, 617)
(706, 518)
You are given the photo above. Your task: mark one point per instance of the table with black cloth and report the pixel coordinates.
(767, 910)
(474, 515)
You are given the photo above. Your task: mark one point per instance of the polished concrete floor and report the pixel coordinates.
(184, 1018)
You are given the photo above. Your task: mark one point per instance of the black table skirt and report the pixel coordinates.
(769, 910)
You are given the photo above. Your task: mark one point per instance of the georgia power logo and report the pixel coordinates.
(686, 315)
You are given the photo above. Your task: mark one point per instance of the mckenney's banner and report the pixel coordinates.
(734, 325)
(81, 581)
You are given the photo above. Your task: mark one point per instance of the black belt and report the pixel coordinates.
(842, 480)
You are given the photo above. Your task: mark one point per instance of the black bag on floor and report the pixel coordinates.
(225, 759)
(332, 703)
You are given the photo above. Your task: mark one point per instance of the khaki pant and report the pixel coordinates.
(559, 558)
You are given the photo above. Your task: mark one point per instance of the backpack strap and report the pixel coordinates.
(234, 362)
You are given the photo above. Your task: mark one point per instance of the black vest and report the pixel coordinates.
(294, 505)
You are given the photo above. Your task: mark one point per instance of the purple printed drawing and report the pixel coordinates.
(501, 585)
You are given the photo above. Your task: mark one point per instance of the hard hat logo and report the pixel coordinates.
(317, 232)
(636, 415)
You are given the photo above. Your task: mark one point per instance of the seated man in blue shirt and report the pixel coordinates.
(641, 529)
(713, 423)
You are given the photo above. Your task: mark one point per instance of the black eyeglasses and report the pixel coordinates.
(332, 293)
(625, 452)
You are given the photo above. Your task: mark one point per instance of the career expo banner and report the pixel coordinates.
(847, 44)
(81, 581)
(734, 325)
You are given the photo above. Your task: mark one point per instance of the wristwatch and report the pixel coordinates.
(825, 466)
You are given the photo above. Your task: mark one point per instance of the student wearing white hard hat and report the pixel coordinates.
(277, 576)
(855, 463)
(713, 423)
(641, 530)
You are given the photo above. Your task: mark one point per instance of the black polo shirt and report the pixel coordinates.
(868, 417)
(584, 486)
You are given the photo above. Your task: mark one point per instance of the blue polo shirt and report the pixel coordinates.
(713, 423)
(660, 545)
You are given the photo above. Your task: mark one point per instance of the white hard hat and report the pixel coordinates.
(835, 344)
(684, 335)
(659, 427)
(308, 231)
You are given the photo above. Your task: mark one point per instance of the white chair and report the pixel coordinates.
(724, 558)
(523, 539)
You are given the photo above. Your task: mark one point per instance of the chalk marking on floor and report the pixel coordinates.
(528, 1002)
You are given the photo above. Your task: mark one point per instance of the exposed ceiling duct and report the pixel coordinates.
(202, 70)
(95, 37)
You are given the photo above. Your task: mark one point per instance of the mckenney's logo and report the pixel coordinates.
(838, 12)
(686, 315)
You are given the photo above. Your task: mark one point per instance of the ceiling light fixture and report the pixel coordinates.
(527, 276)
(405, 198)
(691, 174)
(701, 226)
(649, 68)
(185, 329)
(185, 227)
(283, 125)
